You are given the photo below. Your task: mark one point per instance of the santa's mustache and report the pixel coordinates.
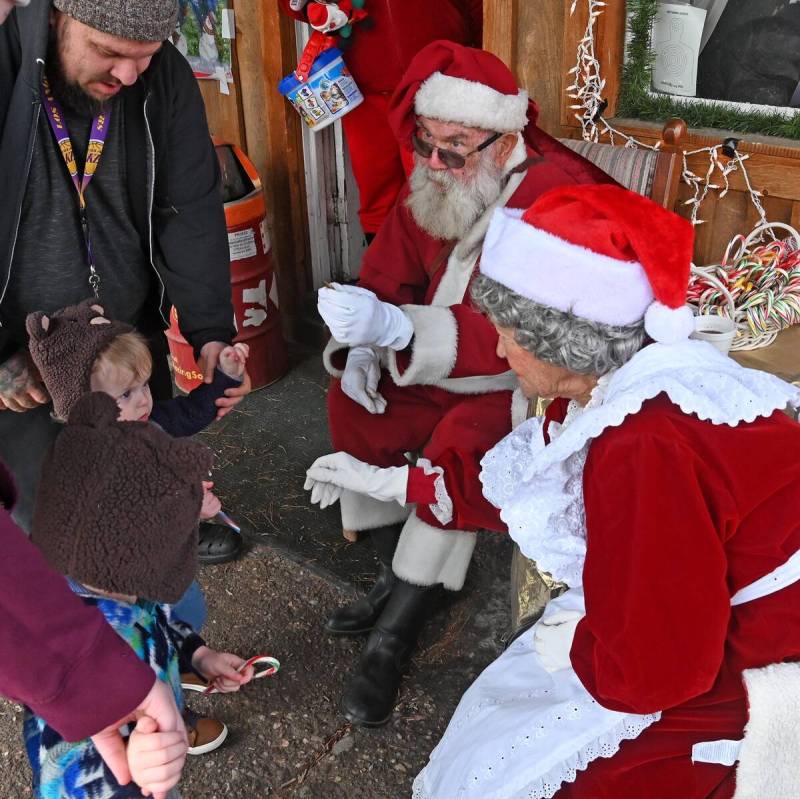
(445, 206)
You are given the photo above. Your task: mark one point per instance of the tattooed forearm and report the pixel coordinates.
(15, 375)
(20, 384)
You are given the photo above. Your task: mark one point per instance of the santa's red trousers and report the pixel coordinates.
(453, 431)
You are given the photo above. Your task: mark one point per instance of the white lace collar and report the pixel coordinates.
(695, 376)
(575, 409)
(539, 488)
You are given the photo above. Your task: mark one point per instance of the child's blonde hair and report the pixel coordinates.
(128, 352)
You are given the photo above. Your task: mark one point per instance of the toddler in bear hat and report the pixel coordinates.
(117, 513)
(77, 350)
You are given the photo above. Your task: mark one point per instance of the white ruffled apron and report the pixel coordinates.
(521, 732)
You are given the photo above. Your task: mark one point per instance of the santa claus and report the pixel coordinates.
(415, 363)
(663, 487)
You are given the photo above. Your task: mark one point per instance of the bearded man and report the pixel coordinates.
(416, 364)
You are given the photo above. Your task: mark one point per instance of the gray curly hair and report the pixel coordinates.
(558, 337)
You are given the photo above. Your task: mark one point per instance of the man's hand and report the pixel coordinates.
(209, 358)
(158, 705)
(345, 471)
(362, 372)
(323, 494)
(233, 396)
(7, 6)
(20, 384)
(356, 316)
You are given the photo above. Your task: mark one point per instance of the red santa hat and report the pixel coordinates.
(453, 83)
(600, 252)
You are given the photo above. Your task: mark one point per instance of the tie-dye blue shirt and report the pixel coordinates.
(63, 770)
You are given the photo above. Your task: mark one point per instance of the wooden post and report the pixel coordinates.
(266, 48)
(500, 29)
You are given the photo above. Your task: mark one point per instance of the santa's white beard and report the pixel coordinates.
(446, 207)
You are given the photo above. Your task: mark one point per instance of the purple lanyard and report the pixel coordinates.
(97, 140)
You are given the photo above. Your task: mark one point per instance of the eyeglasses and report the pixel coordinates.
(450, 159)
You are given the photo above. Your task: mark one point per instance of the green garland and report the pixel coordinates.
(636, 101)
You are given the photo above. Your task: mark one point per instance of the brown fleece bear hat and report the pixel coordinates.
(119, 502)
(65, 346)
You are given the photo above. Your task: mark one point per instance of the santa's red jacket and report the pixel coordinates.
(429, 277)
(454, 347)
(381, 52)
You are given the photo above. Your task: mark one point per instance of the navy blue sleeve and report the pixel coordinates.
(185, 416)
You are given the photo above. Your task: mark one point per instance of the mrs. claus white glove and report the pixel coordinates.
(552, 638)
(356, 316)
(360, 379)
(345, 471)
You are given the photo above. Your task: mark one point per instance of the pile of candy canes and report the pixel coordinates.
(758, 284)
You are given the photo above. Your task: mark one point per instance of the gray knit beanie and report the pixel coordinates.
(139, 20)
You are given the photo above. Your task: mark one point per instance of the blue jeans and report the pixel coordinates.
(191, 607)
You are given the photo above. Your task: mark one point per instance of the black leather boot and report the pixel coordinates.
(370, 696)
(360, 616)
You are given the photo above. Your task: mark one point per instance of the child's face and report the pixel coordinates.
(131, 394)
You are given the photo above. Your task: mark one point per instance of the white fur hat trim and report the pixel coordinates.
(473, 104)
(562, 275)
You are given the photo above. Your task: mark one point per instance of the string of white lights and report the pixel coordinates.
(586, 92)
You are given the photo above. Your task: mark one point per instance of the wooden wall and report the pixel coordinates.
(224, 112)
(539, 55)
(539, 39)
(267, 128)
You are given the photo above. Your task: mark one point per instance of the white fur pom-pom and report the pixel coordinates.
(668, 325)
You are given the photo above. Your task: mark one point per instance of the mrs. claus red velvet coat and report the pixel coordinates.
(681, 514)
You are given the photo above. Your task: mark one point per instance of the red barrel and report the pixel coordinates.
(253, 285)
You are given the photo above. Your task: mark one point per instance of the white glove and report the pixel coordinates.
(323, 494)
(356, 316)
(552, 639)
(360, 379)
(345, 471)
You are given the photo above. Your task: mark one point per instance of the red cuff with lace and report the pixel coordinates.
(420, 488)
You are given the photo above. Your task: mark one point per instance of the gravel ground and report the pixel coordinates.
(287, 737)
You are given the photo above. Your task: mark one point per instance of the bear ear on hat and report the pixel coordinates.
(38, 325)
(187, 458)
(192, 457)
(83, 311)
(94, 410)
